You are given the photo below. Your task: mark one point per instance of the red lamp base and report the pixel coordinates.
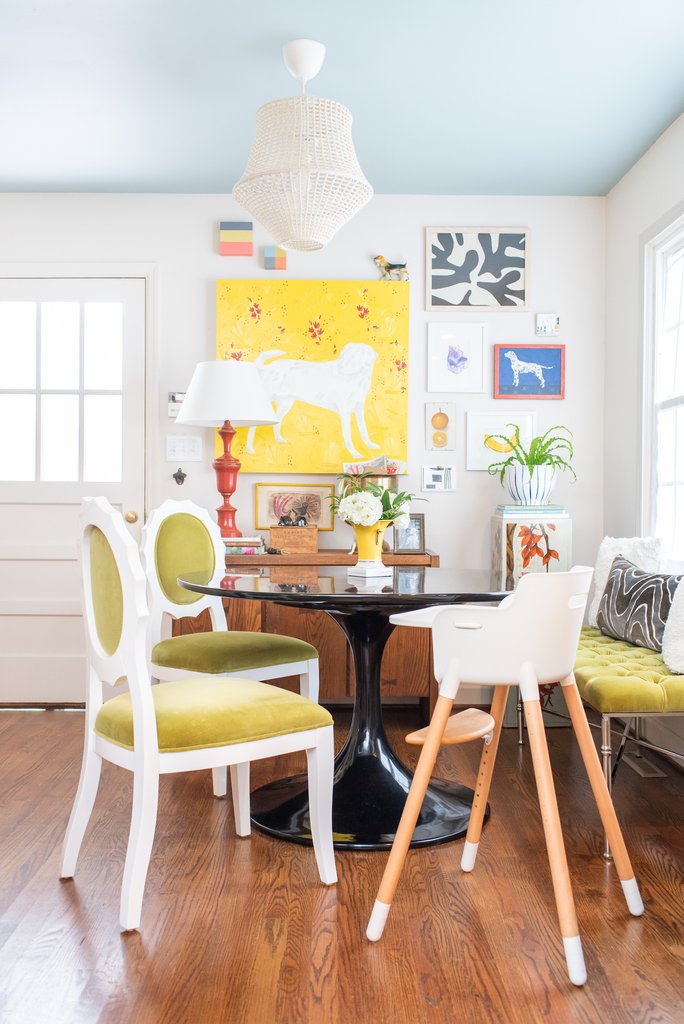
(227, 468)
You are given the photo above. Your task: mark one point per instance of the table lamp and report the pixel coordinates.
(226, 394)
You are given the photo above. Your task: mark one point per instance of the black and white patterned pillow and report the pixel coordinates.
(635, 604)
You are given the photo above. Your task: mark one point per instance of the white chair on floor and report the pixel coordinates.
(529, 639)
(178, 726)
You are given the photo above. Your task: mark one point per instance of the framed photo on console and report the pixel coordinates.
(411, 539)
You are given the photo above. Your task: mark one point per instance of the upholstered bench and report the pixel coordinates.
(617, 678)
(620, 680)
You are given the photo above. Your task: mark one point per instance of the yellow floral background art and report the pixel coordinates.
(334, 359)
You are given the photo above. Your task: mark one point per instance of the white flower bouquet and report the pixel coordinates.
(363, 503)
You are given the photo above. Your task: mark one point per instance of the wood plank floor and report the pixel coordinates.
(240, 930)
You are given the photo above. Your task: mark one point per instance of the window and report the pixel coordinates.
(664, 390)
(61, 387)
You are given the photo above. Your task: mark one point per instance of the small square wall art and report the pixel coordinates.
(275, 258)
(439, 478)
(235, 238)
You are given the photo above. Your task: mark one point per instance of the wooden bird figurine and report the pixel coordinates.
(391, 271)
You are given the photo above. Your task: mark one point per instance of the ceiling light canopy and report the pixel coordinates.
(303, 181)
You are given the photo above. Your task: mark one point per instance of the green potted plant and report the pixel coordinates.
(529, 473)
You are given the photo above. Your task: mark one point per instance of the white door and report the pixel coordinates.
(72, 423)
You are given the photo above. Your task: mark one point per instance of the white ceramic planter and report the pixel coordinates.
(534, 489)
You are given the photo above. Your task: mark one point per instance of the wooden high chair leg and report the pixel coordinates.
(558, 863)
(602, 796)
(484, 779)
(409, 817)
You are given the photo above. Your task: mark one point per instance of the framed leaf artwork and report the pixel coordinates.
(476, 268)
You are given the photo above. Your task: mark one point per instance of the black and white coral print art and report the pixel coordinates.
(476, 268)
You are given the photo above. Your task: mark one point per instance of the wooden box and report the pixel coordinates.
(294, 539)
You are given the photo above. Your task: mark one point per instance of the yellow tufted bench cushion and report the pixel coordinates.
(230, 652)
(197, 713)
(614, 676)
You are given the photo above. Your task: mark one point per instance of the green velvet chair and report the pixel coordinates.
(180, 537)
(184, 725)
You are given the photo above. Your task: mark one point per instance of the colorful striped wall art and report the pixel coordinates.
(235, 238)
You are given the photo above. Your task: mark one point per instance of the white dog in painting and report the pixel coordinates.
(519, 366)
(339, 385)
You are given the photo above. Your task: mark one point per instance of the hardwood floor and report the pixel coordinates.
(240, 930)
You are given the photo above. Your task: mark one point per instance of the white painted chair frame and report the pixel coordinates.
(491, 646)
(146, 762)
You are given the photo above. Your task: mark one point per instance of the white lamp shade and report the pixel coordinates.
(226, 389)
(303, 181)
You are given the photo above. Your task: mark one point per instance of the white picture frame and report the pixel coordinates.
(478, 424)
(455, 357)
(439, 478)
(440, 426)
(473, 269)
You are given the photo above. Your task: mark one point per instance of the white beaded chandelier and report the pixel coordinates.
(303, 180)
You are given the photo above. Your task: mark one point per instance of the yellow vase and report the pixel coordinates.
(369, 547)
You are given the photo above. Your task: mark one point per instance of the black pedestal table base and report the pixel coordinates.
(371, 783)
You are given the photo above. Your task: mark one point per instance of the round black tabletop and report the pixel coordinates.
(371, 782)
(410, 586)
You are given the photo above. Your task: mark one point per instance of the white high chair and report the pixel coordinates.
(529, 639)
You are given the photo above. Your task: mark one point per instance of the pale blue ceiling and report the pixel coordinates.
(448, 97)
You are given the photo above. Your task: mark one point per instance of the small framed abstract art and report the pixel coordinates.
(476, 268)
(529, 371)
(439, 478)
(455, 358)
(276, 502)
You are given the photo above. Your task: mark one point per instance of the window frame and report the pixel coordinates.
(663, 241)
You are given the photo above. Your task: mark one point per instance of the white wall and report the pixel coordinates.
(179, 235)
(639, 202)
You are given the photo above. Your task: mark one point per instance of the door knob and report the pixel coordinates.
(131, 517)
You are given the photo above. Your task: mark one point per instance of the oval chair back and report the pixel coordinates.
(115, 613)
(539, 622)
(180, 537)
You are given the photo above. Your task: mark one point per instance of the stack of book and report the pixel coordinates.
(244, 545)
(545, 511)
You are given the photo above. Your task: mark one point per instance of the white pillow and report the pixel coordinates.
(673, 634)
(643, 551)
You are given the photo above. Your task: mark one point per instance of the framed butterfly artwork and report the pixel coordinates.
(455, 358)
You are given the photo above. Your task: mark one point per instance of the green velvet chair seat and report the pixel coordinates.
(614, 676)
(194, 713)
(230, 652)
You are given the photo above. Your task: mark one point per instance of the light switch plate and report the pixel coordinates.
(182, 448)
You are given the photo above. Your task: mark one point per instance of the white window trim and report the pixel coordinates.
(656, 246)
